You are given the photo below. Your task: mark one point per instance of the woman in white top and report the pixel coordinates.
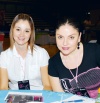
(24, 61)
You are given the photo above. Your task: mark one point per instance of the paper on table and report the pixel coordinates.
(22, 93)
(85, 99)
(23, 96)
(76, 97)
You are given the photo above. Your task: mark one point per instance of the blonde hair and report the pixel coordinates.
(23, 16)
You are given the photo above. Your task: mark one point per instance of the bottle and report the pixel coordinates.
(98, 98)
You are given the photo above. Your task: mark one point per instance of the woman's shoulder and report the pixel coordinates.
(7, 51)
(38, 48)
(40, 53)
(91, 48)
(55, 57)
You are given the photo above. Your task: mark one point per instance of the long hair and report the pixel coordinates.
(23, 16)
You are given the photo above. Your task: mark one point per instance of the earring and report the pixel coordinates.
(78, 45)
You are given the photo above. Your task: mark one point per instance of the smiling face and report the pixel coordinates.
(67, 38)
(21, 32)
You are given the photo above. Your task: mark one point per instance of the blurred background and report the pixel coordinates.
(46, 13)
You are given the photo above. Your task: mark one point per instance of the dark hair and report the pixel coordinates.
(71, 21)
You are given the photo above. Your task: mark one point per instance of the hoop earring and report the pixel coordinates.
(78, 45)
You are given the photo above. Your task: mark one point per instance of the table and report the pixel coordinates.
(48, 96)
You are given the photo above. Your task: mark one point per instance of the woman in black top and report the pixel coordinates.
(76, 65)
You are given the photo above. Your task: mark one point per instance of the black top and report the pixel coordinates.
(88, 71)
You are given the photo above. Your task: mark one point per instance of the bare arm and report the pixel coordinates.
(55, 83)
(45, 78)
(3, 79)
